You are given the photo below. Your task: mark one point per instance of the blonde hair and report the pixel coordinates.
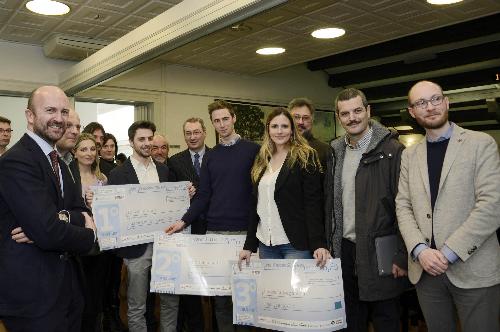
(300, 151)
(95, 165)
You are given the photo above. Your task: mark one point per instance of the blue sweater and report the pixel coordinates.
(225, 187)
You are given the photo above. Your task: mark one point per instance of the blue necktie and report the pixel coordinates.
(196, 163)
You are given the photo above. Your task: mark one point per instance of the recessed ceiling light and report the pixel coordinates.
(328, 33)
(443, 2)
(270, 50)
(47, 7)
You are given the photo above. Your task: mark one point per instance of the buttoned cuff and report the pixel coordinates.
(450, 255)
(417, 250)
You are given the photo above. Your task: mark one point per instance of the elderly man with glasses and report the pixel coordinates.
(448, 211)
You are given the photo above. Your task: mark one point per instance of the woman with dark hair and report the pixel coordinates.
(95, 264)
(108, 153)
(286, 220)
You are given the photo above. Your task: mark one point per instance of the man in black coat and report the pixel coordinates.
(362, 179)
(40, 287)
(185, 166)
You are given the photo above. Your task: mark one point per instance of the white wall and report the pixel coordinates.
(24, 67)
(179, 92)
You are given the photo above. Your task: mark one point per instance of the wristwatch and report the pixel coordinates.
(63, 216)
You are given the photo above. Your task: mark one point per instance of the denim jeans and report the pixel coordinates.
(282, 251)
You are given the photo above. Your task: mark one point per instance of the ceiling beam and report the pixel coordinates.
(181, 24)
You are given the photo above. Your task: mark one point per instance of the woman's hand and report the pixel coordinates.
(244, 256)
(321, 255)
(89, 196)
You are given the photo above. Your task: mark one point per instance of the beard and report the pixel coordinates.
(436, 124)
(46, 133)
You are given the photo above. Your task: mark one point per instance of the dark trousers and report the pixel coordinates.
(190, 313)
(384, 314)
(65, 316)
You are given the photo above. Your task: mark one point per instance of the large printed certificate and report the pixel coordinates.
(194, 264)
(130, 214)
(289, 295)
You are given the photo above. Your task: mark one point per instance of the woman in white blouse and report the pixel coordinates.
(286, 220)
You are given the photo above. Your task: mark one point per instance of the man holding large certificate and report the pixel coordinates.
(141, 169)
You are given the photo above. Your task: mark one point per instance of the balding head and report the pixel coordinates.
(47, 113)
(418, 88)
(159, 148)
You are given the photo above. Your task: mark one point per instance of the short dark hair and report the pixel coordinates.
(348, 94)
(141, 124)
(219, 105)
(303, 101)
(92, 127)
(194, 120)
(4, 120)
(107, 137)
(121, 157)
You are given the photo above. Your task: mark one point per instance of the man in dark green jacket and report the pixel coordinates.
(361, 185)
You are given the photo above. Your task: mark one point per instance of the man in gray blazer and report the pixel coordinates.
(448, 211)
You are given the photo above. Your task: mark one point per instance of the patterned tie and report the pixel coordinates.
(197, 163)
(55, 165)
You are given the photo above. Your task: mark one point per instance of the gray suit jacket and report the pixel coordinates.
(466, 212)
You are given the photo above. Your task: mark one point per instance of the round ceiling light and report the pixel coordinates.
(270, 50)
(47, 7)
(443, 2)
(328, 33)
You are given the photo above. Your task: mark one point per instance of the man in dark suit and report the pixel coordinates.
(40, 286)
(185, 166)
(141, 168)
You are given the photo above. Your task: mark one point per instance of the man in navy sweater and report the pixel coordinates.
(224, 192)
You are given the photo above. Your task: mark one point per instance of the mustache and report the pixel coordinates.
(354, 122)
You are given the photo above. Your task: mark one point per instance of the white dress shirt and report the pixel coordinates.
(270, 230)
(145, 173)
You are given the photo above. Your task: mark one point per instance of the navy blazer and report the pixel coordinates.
(299, 196)
(181, 169)
(32, 275)
(125, 174)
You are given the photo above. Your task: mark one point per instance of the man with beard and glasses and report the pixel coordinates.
(40, 286)
(361, 186)
(302, 110)
(141, 168)
(448, 212)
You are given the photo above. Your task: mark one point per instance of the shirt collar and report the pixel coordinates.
(46, 147)
(444, 137)
(67, 157)
(362, 143)
(137, 164)
(232, 142)
(200, 153)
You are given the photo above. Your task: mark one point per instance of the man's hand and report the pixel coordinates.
(433, 261)
(398, 272)
(321, 255)
(19, 236)
(191, 190)
(89, 196)
(244, 256)
(175, 227)
(89, 222)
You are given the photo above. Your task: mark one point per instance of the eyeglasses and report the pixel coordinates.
(421, 104)
(7, 131)
(304, 118)
(194, 133)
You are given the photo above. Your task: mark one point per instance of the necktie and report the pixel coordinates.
(196, 163)
(55, 165)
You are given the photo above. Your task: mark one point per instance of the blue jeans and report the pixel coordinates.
(282, 251)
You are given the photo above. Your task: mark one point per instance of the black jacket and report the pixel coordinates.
(181, 168)
(376, 185)
(125, 174)
(299, 197)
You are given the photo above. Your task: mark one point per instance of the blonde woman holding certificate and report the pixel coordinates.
(286, 218)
